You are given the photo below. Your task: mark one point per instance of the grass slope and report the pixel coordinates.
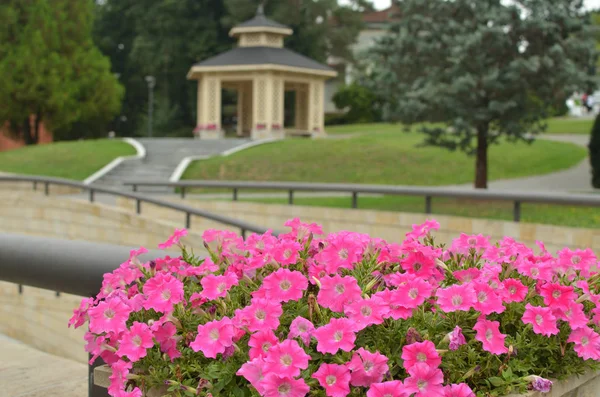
(73, 160)
(386, 157)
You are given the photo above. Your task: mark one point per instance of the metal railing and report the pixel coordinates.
(68, 266)
(92, 190)
(428, 193)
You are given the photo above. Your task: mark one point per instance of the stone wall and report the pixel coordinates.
(392, 226)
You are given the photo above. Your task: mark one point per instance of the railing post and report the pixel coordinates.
(93, 390)
(188, 220)
(291, 197)
(354, 200)
(517, 211)
(91, 195)
(34, 185)
(138, 206)
(182, 192)
(20, 289)
(57, 294)
(243, 233)
(134, 187)
(46, 188)
(235, 194)
(428, 204)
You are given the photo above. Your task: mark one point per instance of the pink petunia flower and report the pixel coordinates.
(456, 297)
(301, 230)
(420, 352)
(214, 287)
(465, 244)
(338, 334)
(587, 343)
(458, 390)
(334, 378)
(260, 343)
(488, 333)
(423, 229)
(109, 316)
(165, 336)
(514, 290)
(285, 285)
(342, 251)
(413, 294)
(541, 318)
(539, 384)
(365, 312)
(80, 315)
(253, 371)
(302, 328)
(424, 381)
(135, 342)
(261, 315)
(574, 315)
(286, 252)
(467, 275)
(135, 392)
(394, 388)
(286, 359)
(118, 377)
(488, 300)
(338, 291)
(174, 239)
(578, 260)
(283, 386)
(367, 367)
(456, 338)
(395, 310)
(533, 269)
(162, 292)
(557, 295)
(214, 337)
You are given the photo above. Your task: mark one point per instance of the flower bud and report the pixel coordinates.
(538, 383)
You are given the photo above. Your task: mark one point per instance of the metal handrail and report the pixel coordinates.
(74, 267)
(589, 200)
(139, 199)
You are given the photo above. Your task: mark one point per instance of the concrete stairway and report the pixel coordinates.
(162, 157)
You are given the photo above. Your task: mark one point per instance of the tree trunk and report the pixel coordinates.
(27, 137)
(36, 132)
(481, 163)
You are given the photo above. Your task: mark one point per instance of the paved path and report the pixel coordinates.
(162, 157)
(575, 179)
(27, 372)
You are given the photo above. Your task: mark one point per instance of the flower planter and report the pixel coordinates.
(101, 379)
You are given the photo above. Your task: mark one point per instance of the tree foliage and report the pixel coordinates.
(164, 38)
(486, 69)
(360, 103)
(51, 70)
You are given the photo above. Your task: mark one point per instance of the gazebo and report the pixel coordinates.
(261, 70)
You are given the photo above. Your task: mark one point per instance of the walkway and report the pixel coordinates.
(575, 179)
(162, 157)
(27, 372)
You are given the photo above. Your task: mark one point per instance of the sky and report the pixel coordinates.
(381, 4)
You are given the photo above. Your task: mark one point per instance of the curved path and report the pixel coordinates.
(575, 179)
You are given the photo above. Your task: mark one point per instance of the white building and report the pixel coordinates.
(376, 25)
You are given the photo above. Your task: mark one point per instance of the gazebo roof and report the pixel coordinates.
(252, 56)
(260, 20)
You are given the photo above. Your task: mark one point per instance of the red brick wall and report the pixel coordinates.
(7, 142)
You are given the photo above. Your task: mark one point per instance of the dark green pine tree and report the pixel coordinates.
(51, 69)
(486, 70)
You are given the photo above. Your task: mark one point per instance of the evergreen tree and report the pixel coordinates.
(486, 69)
(51, 71)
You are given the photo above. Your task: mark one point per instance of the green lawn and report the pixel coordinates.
(531, 213)
(387, 157)
(73, 160)
(557, 125)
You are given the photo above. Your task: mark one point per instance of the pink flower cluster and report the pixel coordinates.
(296, 309)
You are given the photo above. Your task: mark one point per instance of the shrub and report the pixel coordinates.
(361, 104)
(594, 147)
(346, 314)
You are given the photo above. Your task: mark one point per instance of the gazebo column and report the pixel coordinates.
(209, 114)
(277, 106)
(316, 109)
(240, 109)
(267, 96)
